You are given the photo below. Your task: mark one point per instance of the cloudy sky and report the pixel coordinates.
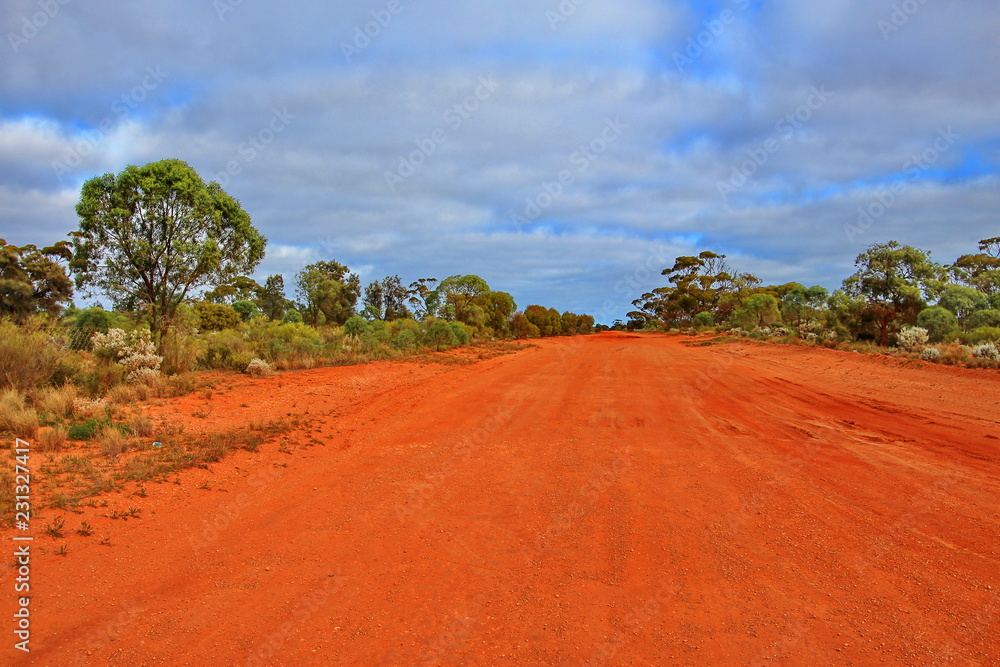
(565, 151)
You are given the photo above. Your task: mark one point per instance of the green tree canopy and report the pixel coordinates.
(329, 292)
(895, 280)
(982, 270)
(153, 235)
(272, 301)
(33, 280)
(386, 299)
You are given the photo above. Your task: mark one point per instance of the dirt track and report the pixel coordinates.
(603, 500)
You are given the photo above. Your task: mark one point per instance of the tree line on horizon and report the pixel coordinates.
(894, 287)
(164, 246)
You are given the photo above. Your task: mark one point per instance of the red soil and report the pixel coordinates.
(612, 499)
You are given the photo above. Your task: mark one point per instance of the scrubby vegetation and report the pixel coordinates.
(170, 253)
(898, 301)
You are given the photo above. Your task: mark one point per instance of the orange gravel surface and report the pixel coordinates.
(605, 500)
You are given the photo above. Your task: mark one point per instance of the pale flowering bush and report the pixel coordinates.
(930, 354)
(986, 351)
(259, 368)
(134, 350)
(86, 407)
(809, 326)
(911, 337)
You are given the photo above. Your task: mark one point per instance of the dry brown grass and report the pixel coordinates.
(113, 442)
(55, 402)
(15, 416)
(51, 438)
(122, 394)
(140, 425)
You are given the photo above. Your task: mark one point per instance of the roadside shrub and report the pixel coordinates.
(15, 416)
(986, 351)
(703, 319)
(439, 336)
(356, 326)
(216, 316)
(259, 368)
(980, 335)
(938, 321)
(461, 332)
(405, 340)
(954, 356)
(28, 357)
(930, 354)
(292, 316)
(134, 351)
(984, 318)
(757, 310)
(911, 337)
(180, 351)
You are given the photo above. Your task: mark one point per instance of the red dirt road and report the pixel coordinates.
(602, 500)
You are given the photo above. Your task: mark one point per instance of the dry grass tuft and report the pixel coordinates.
(51, 438)
(122, 394)
(54, 402)
(140, 425)
(15, 416)
(112, 441)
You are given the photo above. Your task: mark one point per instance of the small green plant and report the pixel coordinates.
(55, 528)
(85, 430)
(62, 550)
(105, 542)
(85, 529)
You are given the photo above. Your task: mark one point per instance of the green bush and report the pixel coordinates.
(247, 309)
(938, 321)
(439, 335)
(984, 318)
(216, 317)
(461, 332)
(292, 316)
(980, 335)
(87, 429)
(405, 340)
(356, 326)
(703, 319)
